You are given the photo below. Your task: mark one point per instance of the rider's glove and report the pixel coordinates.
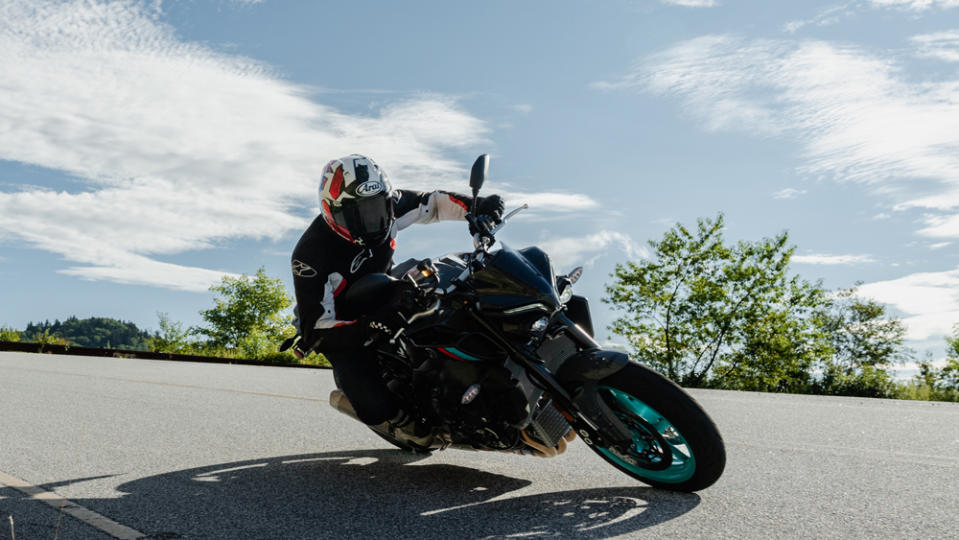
(489, 209)
(491, 206)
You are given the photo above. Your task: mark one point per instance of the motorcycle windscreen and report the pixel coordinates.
(510, 278)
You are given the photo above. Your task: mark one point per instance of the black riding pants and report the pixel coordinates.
(356, 371)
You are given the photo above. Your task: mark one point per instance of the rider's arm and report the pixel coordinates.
(429, 207)
(317, 288)
(320, 324)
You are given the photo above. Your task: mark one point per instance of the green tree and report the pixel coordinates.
(172, 337)
(707, 313)
(93, 332)
(781, 347)
(940, 384)
(867, 342)
(248, 315)
(949, 376)
(47, 338)
(9, 334)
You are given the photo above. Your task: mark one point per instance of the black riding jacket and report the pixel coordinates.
(325, 264)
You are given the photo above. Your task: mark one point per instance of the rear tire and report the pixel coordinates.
(675, 446)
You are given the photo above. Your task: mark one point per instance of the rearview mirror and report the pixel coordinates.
(478, 174)
(575, 274)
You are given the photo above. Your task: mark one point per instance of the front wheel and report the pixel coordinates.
(675, 444)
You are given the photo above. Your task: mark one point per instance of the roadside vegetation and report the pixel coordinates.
(704, 311)
(714, 314)
(92, 332)
(247, 321)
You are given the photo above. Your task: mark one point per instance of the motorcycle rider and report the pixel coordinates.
(355, 235)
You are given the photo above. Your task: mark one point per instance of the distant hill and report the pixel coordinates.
(93, 332)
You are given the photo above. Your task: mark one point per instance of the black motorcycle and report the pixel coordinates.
(498, 354)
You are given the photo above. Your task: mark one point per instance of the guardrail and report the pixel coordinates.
(46, 348)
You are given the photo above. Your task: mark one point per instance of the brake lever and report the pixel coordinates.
(507, 217)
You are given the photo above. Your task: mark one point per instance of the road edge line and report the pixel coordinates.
(82, 513)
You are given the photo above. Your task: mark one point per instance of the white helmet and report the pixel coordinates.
(355, 200)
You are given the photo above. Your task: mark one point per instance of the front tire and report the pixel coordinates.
(675, 444)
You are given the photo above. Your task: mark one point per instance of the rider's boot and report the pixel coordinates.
(404, 427)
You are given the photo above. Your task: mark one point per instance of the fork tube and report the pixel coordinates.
(539, 373)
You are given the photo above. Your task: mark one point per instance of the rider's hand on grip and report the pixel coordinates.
(480, 224)
(491, 206)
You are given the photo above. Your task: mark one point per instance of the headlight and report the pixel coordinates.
(539, 325)
(566, 294)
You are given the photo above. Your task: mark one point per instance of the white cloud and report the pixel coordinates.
(939, 245)
(930, 299)
(916, 5)
(820, 258)
(856, 115)
(691, 3)
(945, 199)
(524, 108)
(940, 45)
(546, 201)
(584, 250)
(825, 17)
(179, 147)
(834, 14)
(941, 226)
(792, 27)
(788, 193)
(665, 222)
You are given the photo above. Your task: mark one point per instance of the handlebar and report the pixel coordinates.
(483, 240)
(507, 217)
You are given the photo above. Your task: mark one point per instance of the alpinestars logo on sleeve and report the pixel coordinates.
(301, 269)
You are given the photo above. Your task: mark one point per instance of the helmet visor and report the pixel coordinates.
(369, 218)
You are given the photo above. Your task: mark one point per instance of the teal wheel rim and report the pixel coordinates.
(642, 419)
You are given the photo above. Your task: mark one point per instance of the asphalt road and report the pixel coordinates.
(184, 450)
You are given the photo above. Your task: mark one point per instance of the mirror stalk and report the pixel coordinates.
(477, 177)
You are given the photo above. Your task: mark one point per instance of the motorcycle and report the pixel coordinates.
(498, 354)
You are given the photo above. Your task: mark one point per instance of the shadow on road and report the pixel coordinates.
(368, 493)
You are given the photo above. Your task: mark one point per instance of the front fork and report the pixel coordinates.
(585, 409)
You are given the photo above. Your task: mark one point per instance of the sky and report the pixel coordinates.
(147, 149)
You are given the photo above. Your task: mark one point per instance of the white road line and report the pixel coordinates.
(84, 514)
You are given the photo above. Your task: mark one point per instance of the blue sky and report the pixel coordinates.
(148, 148)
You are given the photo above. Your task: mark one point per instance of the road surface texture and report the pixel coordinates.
(119, 448)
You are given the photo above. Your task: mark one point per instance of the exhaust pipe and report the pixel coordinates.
(339, 402)
(540, 450)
